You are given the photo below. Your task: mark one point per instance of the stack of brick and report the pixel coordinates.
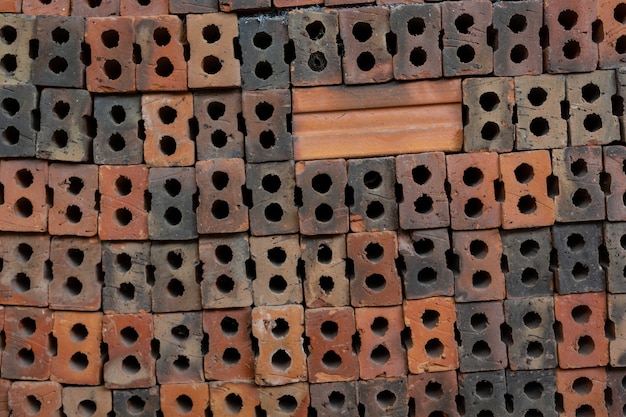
(309, 208)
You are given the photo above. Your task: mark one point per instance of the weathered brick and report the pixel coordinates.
(188, 399)
(117, 141)
(334, 399)
(18, 103)
(325, 283)
(615, 377)
(483, 393)
(614, 158)
(616, 306)
(143, 8)
(532, 391)
(615, 243)
(37, 399)
(24, 207)
(612, 44)
(16, 64)
(286, 401)
(219, 135)
(79, 400)
(90, 8)
(193, 6)
(240, 398)
(172, 214)
(179, 337)
(432, 393)
(144, 402)
(383, 396)
(126, 288)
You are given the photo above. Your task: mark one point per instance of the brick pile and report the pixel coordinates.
(299, 208)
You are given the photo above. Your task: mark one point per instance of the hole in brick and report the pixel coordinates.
(220, 209)
(489, 101)
(211, 64)
(533, 390)
(174, 260)
(60, 138)
(11, 106)
(479, 322)
(590, 92)
(416, 26)
(527, 204)
(379, 326)
(129, 335)
(362, 31)
(479, 249)
(529, 248)
(592, 122)
(60, 35)
(568, 19)
(267, 139)
(211, 33)
(219, 138)
(376, 282)
(331, 360)
(135, 404)
(490, 131)
(220, 180)
(581, 314)
(539, 126)
(173, 216)
(8, 34)
(277, 284)
(484, 389)
(620, 45)
(264, 110)
(579, 168)
(582, 385)
(184, 404)
(329, 330)
(79, 332)
(224, 254)
(465, 53)
(263, 70)
(167, 114)
(427, 276)
(575, 242)
(262, 40)
(532, 320)
(112, 69)
(181, 363)
(534, 349)
(324, 254)
(421, 174)
(581, 198)
(517, 23)
(27, 326)
(374, 252)
(75, 185)
(79, 361)
(537, 96)
(161, 36)
(180, 332)
(25, 357)
(315, 30)
(585, 410)
(123, 185)
(73, 286)
(336, 400)
(32, 405)
(126, 291)
(87, 408)
(73, 214)
(423, 204)
(464, 22)
(231, 356)
(167, 145)
(571, 49)
(365, 61)
(619, 13)
(472, 176)
(281, 360)
(24, 252)
(585, 345)
(481, 279)
(216, 110)
(580, 271)
(9, 63)
(380, 355)
(61, 109)
(424, 247)
(225, 284)
(110, 38)
(23, 208)
(519, 54)
(164, 67)
(434, 348)
(418, 56)
(481, 349)
(229, 326)
(372, 180)
(57, 64)
(173, 186)
(277, 256)
(271, 183)
(524, 173)
(386, 399)
(327, 284)
(175, 288)
(317, 61)
(473, 208)
(123, 216)
(130, 365)
(24, 178)
(234, 403)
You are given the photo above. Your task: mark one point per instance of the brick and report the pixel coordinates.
(425, 272)
(532, 344)
(415, 26)
(16, 121)
(325, 283)
(212, 61)
(526, 199)
(314, 34)
(383, 395)
(333, 3)
(168, 137)
(27, 353)
(613, 159)
(219, 136)
(176, 270)
(230, 356)
(489, 103)
(480, 277)
(123, 209)
(614, 379)
(130, 364)
(221, 207)
(331, 354)
(162, 67)
(366, 58)
(73, 211)
(95, 400)
(188, 399)
(126, 289)
(473, 200)
(268, 132)
(480, 346)
(483, 393)
(90, 8)
(334, 399)
(288, 400)
(13, 6)
(578, 250)
(381, 353)
(431, 322)
(424, 203)
(35, 399)
(77, 281)
(24, 207)
(376, 281)
(580, 330)
(465, 47)
(322, 184)
(143, 8)
(614, 235)
(77, 359)
(519, 50)
(371, 182)
(281, 359)
(64, 134)
(590, 97)
(25, 273)
(434, 392)
(277, 280)
(611, 46)
(621, 89)
(179, 336)
(527, 262)
(172, 214)
(145, 402)
(263, 43)
(16, 64)
(225, 282)
(244, 5)
(117, 141)
(540, 122)
(582, 390)
(192, 6)
(37, 7)
(571, 48)
(58, 62)
(580, 196)
(616, 306)
(112, 68)
(5, 384)
(240, 398)
(532, 391)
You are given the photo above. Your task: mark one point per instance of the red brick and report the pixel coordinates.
(611, 47)
(229, 398)
(5, 384)
(142, 8)
(230, 356)
(381, 352)
(218, 137)
(184, 399)
(582, 391)
(581, 318)
(473, 202)
(130, 364)
(112, 68)
(123, 214)
(434, 392)
(331, 355)
(74, 209)
(11, 6)
(433, 347)
(35, 399)
(614, 158)
(281, 358)
(326, 283)
(24, 279)
(80, 400)
(296, 3)
(286, 401)
(105, 8)
(78, 359)
(54, 7)
(25, 208)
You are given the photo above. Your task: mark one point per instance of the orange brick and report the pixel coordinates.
(25, 208)
(233, 398)
(35, 399)
(582, 391)
(184, 399)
